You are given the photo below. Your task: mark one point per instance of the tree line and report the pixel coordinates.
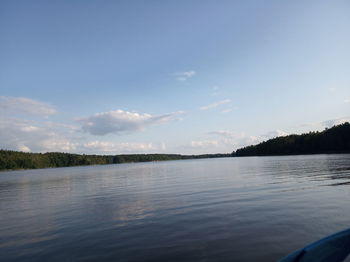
(331, 140)
(10, 160)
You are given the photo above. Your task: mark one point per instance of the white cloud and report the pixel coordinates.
(163, 146)
(226, 142)
(347, 100)
(224, 133)
(120, 122)
(274, 133)
(333, 122)
(119, 148)
(23, 148)
(41, 135)
(215, 104)
(323, 124)
(235, 139)
(29, 136)
(197, 146)
(25, 106)
(319, 126)
(204, 144)
(183, 76)
(23, 135)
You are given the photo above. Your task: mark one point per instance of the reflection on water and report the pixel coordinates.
(231, 209)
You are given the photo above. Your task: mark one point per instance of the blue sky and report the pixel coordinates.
(113, 77)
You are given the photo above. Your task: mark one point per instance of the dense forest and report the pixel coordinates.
(331, 140)
(21, 160)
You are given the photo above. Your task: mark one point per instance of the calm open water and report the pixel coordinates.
(229, 209)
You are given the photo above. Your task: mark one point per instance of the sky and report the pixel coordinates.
(187, 76)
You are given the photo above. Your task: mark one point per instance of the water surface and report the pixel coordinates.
(229, 209)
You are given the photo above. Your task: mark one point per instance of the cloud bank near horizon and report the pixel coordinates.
(39, 133)
(28, 125)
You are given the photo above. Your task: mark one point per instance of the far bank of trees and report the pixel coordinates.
(331, 140)
(20, 160)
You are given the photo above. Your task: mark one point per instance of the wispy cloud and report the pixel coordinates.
(25, 106)
(121, 122)
(215, 104)
(183, 76)
(215, 91)
(227, 110)
(347, 100)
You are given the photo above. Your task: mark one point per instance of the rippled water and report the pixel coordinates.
(230, 209)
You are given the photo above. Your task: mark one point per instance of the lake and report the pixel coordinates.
(224, 209)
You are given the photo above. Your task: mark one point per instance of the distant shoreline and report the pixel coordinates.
(227, 155)
(16, 160)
